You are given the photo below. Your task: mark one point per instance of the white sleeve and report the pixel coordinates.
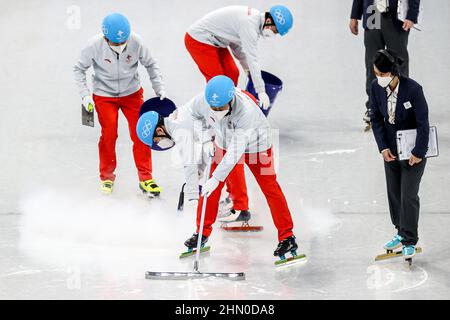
(152, 67)
(185, 141)
(200, 124)
(240, 55)
(80, 68)
(249, 40)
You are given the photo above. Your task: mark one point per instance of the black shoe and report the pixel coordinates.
(191, 243)
(285, 246)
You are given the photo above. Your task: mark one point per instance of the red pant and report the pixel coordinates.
(262, 166)
(108, 114)
(212, 62)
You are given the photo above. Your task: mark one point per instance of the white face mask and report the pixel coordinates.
(219, 115)
(268, 33)
(384, 81)
(119, 49)
(165, 143)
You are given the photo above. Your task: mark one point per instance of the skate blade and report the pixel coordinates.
(243, 228)
(291, 260)
(193, 275)
(395, 254)
(193, 252)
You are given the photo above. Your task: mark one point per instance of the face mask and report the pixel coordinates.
(165, 143)
(219, 115)
(268, 33)
(384, 81)
(119, 49)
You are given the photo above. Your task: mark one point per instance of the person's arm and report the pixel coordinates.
(413, 10)
(199, 121)
(423, 126)
(357, 9)
(240, 55)
(249, 50)
(80, 69)
(377, 120)
(149, 63)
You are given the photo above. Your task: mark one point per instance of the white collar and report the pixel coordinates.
(388, 89)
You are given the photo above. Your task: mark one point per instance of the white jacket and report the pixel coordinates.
(237, 27)
(244, 129)
(187, 135)
(115, 75)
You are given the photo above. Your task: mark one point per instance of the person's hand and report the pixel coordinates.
(88, 103)
(387, 155)
(414, 160)
(210, 186)
(161, 94)
(407, 25)
(264, 100)
(209, 148)
(354, 26)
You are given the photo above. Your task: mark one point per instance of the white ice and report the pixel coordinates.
(60, 239)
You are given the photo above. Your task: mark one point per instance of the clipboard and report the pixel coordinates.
(406, 141)
(402, 12)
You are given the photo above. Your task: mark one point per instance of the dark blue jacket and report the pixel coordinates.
(415, 117)
(360, 8)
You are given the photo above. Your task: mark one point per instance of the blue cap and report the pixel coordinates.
(146, 127)
(116, 28)
(282, 18)
(219, 91)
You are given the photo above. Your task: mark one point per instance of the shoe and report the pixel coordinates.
(236, 216)
(395, 243)
(150, 187)
(286, 245)
(409, 251)
(107, 186)
(191, 243)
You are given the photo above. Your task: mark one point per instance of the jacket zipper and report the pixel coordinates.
(118, 75)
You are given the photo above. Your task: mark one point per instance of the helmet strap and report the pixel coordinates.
(267, 24)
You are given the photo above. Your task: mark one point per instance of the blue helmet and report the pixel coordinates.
(146, 127)
(282, 18)
(116, 28)
(219, 91)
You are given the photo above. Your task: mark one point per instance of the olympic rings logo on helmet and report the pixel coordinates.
(280, 17)
(146, 129)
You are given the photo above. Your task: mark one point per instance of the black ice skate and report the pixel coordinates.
(285, 246)
(191, 244)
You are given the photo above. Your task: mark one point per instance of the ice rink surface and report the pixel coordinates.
(60, 239)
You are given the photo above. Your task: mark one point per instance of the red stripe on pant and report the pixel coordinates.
(108, 114)
(262, 166)
(213, 61)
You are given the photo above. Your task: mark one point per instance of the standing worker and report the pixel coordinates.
(383, 30)
(398, 103)
(115, 56)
